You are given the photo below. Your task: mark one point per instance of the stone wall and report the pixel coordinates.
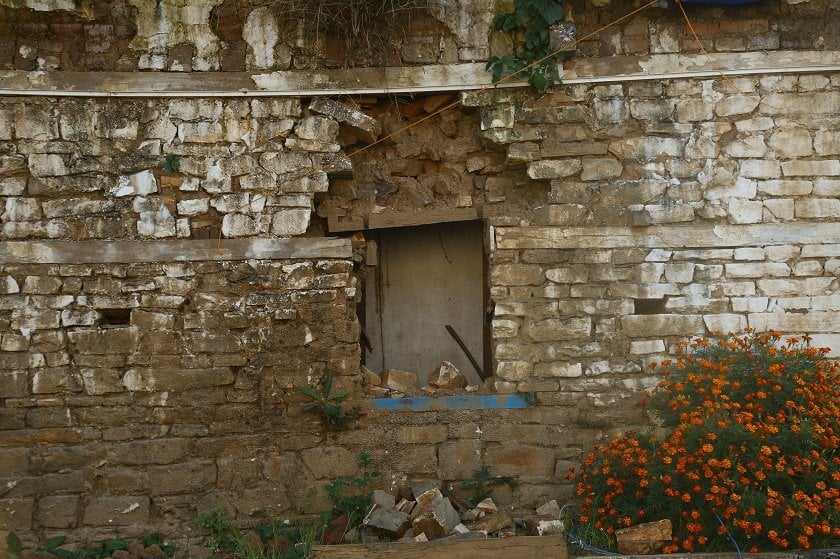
(226, 35)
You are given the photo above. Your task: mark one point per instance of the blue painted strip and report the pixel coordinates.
(460, 402)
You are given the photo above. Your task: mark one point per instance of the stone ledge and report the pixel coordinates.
(676, 236)
(109, 252)
(459, 402)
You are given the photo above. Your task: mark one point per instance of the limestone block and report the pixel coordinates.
(47, 165)
(138, 184)
(748, 147)
(55, 380)
(749, 253)
(558, 369)
(826, 187)
(13, 383)
(158, 224)
(736, 104)
(790, 142)
(812, 168)
(557, 329)
(435, 520)
(654, 214)
(123, 510)
(554, 169)
(757, 270)
(760, 169)
(517, 274)
(11, 164)
(745, 211)
(662, 325)
(520, 460)
(159, 379)
(644, 347)
(808, 268)
(651, 272)
(679, 272)
(653, 109)
(647, 148)
(384, 520)
(16, 515)
(458, 459)
(366, 127)
(98, 381)
(228, 203)
(446, 376)
(693, 110)
(757, 124)
(504, 329)
(12, 186)
(750, 304)
(21, 209)
(319, 128)
(328, 462)
(261, 33)
(602, 168)
(702, 146)
(195, 206)
(35, 123)
(827, 142)
(609, 112)
(811, 208)
(567, 274)
(818, 102)
(725, 323)
(396, 379)
(201, 132)
(290, 222)
(785, 187)
(743, 188)
(285, 162)
(793, 287)
(216, 180)
(513, 370)
(778, 210)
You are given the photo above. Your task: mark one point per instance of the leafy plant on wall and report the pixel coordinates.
(529, 26)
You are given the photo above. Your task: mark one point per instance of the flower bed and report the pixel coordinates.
(750, 458)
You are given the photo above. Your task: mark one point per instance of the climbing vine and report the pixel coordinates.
(529, 25)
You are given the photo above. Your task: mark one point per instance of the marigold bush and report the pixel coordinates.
(751, 455)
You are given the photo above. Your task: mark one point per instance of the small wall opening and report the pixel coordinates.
(649, 306)
(114, 318)
(429, 282)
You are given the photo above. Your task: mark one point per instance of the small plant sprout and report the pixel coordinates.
(329, 406)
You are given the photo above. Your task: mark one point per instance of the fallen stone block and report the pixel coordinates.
(436, 519)
(401, 381)
(386, 521)
(447, 375)
(492, 523)
(644, 539)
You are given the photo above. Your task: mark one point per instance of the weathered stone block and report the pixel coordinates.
(791, 142)
(662, 325)
(745, 211)
(517, 274)
(520, 460)
(737, 104)
(147, 380)
(813, 208)
(812, 168)
(58, 511)
(554, 168)
(181, 478)
(366, 127)
(513, 370)
(561, 369)
(16, 514)
(122, 510)
(599, 169)
(557, 329)
(458, 459)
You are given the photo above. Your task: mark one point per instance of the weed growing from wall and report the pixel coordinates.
(329, 407)
(752, 458)
(528, 26)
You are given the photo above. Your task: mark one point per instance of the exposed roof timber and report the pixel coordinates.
(408, 79)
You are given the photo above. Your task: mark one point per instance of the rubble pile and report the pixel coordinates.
(423, 513)
(445, 379)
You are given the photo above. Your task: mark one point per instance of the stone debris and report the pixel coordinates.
(447, 375)
(644, 539)
(549, 509)
(492, 523)
(398, 380)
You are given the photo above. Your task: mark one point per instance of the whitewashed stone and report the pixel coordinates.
(827, 142)
(261, 33)
(739, 288)
(749, 253)
(737, 104)
(760, 169)
(810, 208)
(182, 228)
(679, 272)
(745, 211)
(757, 270)
(195, 206)
(8, 285)
(239, 225)
(138, 184)
(216, 180)
(785, 187)
(749, 147)
(228, 203)
(644, 347)
(793, 287)
(317, 128)
(201, 132)
(757, 124)
(782, 253)
(647, 148)
(12, 186)
(158, 224)
(791, 142)
(742, 188)
(750, 304)
(725, 323)
(780, 209)
(802, 168)
(559, 369)
(826, 187)
(807, 268)
(290, 222)
(659, 255)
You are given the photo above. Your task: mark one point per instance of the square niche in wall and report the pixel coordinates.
(427, 277)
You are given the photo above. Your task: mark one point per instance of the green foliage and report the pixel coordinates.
(528, 26)
(222, 533)
(752, 454)
(171, 163)
(482, 481)
(14, 545)
(329, 406)
(355, 502)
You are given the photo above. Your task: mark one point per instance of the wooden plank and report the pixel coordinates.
(430, 77)
(106, 252)
(667, 236)
(526, 547)
(424, 217)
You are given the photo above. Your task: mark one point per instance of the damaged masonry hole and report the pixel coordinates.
(427, 281)
(649, 306)
(114, 318)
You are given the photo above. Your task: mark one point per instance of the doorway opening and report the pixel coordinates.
(427, 289)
